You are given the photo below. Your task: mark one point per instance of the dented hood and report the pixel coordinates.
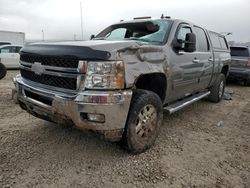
(104, 45)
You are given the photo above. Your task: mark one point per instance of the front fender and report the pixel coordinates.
(144, 60)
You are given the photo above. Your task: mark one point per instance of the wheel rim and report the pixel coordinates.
(146, 121)
(221, 88)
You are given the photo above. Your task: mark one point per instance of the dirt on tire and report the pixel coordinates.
(203, 145)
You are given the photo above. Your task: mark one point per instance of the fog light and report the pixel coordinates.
(96, 118)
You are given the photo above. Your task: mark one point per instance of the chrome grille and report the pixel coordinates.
(62, 72)
(51, 80)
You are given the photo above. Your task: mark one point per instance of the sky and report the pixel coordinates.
(61, 19)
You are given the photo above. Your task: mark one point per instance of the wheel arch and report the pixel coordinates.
(225, 70)
(155, 82)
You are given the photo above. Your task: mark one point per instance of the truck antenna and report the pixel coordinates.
(162, 16)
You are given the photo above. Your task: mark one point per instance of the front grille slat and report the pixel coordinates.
(68, 62)
(56, 81)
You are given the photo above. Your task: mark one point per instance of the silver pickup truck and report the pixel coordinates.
(119, 83)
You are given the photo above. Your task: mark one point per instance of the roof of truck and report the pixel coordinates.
(157, 19)
(216, 33)
(148, 19)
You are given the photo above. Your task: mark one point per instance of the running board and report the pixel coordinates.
(185, 102)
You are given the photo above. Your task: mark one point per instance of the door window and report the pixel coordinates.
(182, 32)
(201, 40)
(7, 49)
(223, 43)
(215, 40)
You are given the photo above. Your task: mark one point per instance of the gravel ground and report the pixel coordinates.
(192, 150)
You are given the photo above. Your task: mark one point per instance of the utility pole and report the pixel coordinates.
(43, 34)
(81, 18)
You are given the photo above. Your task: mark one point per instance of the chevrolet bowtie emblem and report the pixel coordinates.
(37, 68)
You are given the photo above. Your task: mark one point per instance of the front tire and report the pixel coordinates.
(3, 71)
(144, 121)
(217, 90)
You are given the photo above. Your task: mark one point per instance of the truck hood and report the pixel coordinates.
(104, 45)
(86, 50)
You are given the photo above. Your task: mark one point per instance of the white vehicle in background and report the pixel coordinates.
(9, 53)
(9, 58)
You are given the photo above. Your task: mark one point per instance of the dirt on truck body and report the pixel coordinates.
(120, 82)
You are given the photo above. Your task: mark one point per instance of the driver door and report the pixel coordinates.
(184, 68)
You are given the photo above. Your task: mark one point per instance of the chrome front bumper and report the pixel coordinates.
(74, 107)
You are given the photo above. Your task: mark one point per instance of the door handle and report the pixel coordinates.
(195, 60)
(210, 59)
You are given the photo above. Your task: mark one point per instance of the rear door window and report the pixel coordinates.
(201, 38)
(241, 52)
(223, 43)
(215, 40)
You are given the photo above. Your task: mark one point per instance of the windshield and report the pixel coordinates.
(149, 31)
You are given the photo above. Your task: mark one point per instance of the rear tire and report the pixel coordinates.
(3, 71)
(217, 90)
(144, 121)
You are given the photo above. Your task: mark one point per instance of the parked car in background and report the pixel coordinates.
(9, 58)
(240, 68)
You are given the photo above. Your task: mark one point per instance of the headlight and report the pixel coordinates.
(105, 75)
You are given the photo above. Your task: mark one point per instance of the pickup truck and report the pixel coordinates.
(119, 83)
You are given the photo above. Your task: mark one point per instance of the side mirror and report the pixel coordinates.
(190, 43)
(92, 36)
(187, 45)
